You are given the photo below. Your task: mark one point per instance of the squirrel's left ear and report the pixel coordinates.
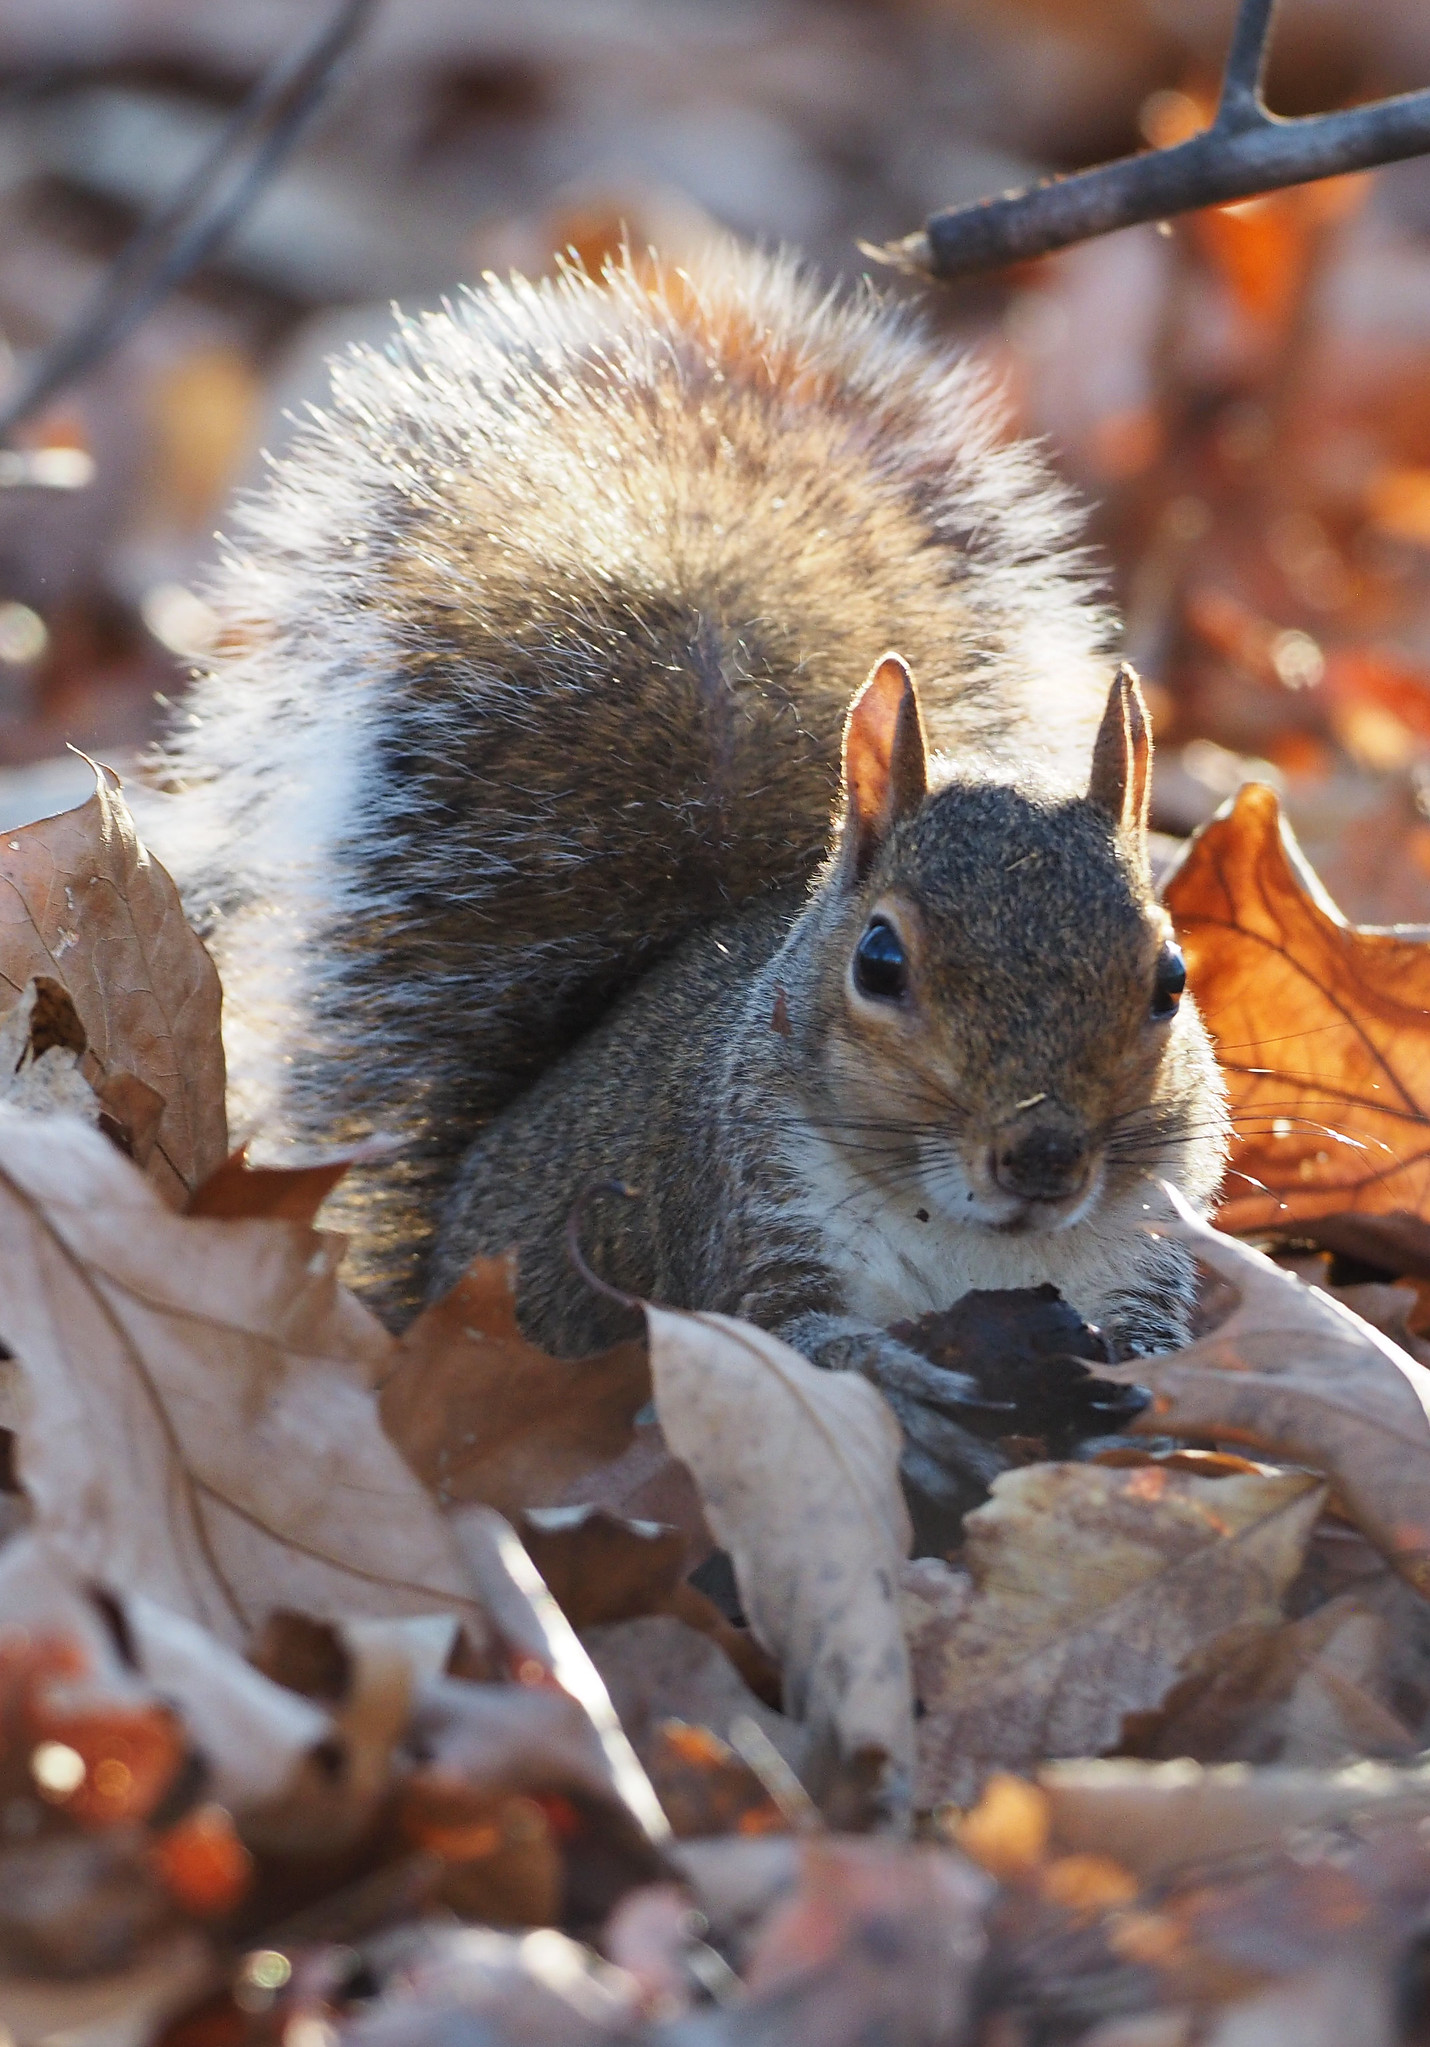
(885, 761)
(1121, 781)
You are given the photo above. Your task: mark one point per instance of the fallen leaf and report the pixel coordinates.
(1322, 1029)
(41, 1041)
(705, 1787)
(601, 1567)
(124, 2003)
(513, 1791)
(879, 1942)
(1158, 1818)
(798, 1473)
(1296, 1375)
(291, 1194)
(1092, 1590)
(543, 1648)
(1313, 1692)
(82, 901)
(659, 1669)
(473, 1982)
(482, 1415)
(1032, 1360)
(199, 1426)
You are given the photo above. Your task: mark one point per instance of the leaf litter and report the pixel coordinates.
(361, 1682)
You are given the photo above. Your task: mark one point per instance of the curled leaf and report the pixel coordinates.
(798, 1473)
(1294, 1374)
(83, 902)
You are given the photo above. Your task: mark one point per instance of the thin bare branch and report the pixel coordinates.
(1241, 103)
(1246, 151)
(219, 190)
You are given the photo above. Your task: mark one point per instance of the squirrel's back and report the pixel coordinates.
(536, 651)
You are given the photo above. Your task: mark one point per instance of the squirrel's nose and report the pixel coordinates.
(1040, 1160)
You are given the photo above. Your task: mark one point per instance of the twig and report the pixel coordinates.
(210, 201)
(1245, 151)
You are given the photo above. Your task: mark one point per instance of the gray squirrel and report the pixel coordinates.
(555, 802)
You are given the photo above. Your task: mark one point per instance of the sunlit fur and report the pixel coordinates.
(825, 1144)
(535, 651)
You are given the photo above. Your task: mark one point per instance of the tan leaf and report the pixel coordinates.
(1295, 1374)
(83, 901)
(798, 1470)
(1322, 1030)
(199, 1426)
(1160, 1817)
(1092, 1590)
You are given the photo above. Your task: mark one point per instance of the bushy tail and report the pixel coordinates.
(536, 651)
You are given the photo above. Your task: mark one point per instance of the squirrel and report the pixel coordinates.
(552, 800)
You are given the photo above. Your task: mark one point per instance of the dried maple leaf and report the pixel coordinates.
(1322, 1029)
(798, 1471)
(82, 901)
(198, 1422)
(1293, 1373)
(1092, 1591)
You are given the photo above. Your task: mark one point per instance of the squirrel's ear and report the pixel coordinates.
(1121, 781)
(885, 761)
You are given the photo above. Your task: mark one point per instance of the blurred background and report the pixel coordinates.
(1243, 396)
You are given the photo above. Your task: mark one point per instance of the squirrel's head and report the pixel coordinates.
(994, 1016)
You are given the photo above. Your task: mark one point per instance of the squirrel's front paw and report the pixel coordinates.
(946, 1469)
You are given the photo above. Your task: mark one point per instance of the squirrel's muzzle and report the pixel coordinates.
(1041, 1154)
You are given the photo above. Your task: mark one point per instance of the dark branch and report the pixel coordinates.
(1241, 102)
(1246, 151)
(216, 194)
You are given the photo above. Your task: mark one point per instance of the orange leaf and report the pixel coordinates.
(1322, 1029)
(202, 1863)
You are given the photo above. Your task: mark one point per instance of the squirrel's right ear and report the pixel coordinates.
(885, 761)
(1121, 782)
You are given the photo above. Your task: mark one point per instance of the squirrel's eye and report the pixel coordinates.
(880, 968)
(1169, 984)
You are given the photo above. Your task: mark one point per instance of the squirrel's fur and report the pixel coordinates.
(536, 652)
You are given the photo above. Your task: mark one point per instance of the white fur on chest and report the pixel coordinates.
(895, 1267)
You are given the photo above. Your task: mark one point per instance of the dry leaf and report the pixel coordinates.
(40, 1056)
(1322, 1030)
(543, 1648)
(1314, 1692)
(1092, 1590)
(658, 1669)
(82, 900)
(1161, 1817)
(1295, 1374)
(798, 1471)
(602, 1568)
(482, 1415)
(292, 1194)
(473, 1983)
(825, 1961)
(199, 1424)
(251, 1733)
(128, 2005)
